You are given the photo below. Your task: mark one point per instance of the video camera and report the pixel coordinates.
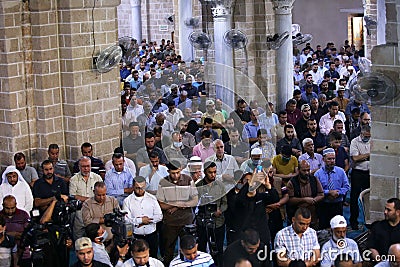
(121, 229)
(62, 211)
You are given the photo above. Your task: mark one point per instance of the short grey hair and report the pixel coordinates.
(306, 141)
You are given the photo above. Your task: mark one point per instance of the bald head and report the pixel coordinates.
(304, 169)
(395, 250)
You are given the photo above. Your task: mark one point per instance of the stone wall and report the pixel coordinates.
(124, 18)
(49, 91)
(385, 151)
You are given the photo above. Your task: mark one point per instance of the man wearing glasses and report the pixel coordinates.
(144, 213)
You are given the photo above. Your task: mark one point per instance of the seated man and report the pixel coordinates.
(339, 244)
(205, 148)
(29, 173)
(207, 125)
(97, 164)
(14, 184)
(236, 148)
(119, 180)
(142, 157)
(45, 189)
(254, 160)
(128, 163)
(268, 149)
(61, 168)
(190, 256)
(94, 208)
(298, 241)
(249, 247)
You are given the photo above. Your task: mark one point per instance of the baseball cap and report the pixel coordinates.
(304, 106)
(83, 243)
(210, 102)
(256, 151)
(328, 151)
(338, 221)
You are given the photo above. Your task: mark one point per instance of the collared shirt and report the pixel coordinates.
(117, 182)
(339, 179)
(241, 149)
(29, 174)
(203, 152)
(268, 150)
(202, 260)
(315, 162)
(296, 248)
(128, 164)
(61, 169)
(326, 123)
(250, 130)
(358, 147)
(132, 145)
(173, 118)
(181, 216)
(188, 139)
(79, 186)
(152, 263)
(92, 210)
(330, 251)
(143, 155)
(138, 207)
(152, 183)
(227, 165)
(268, 121)
(97, 165)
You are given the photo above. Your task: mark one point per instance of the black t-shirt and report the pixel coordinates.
(42, 189)
(383, 235)
(236, 251)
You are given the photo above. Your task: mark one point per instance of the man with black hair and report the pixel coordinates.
(304, 191)
(205, 148)
(207, 125)
(177, 209)
(97, 165)
(140, 252)
(236, 148)
(119, 180)
(249, 247)
(386, 232)
(61, 168)
(29, 173)
(318, 138)
(98, 235)
(293, 113)
(142, 158)
(133, 142)
(153, 173)
(289, 140)
(45, 189)
(267, 148)
(144, 213)
(298, 241)
(240, 115)
(211, 195)
(190, 256)
(327, 120)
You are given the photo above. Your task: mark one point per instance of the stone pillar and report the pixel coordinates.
(223, 54)
(284, 55)
(185, 12)
(136, 21)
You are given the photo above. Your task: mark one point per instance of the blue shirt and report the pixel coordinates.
(117, 182)
(339, 179)
(250, 130)
(352, 105)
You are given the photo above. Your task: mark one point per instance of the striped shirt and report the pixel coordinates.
(202, 260)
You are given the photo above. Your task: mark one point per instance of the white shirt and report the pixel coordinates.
(152, 184)
(152, 263)
(21, 191)
(138, 207)
(326, 123)
(100, 254)
(128, 164)
(173, 118)
(227, 165)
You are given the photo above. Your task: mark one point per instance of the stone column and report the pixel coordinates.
(223, 54)
(185, 12)
(136, 21)
(284, 58)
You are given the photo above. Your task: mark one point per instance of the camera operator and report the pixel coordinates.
(210, 222)
(81, 187)
(98, 235)
(140, 253)
(45, 189)
(8, 248)
(16, 221)
(94, 208)
(176, 213)
(144, 213)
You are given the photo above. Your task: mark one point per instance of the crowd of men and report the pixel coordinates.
(248, 181)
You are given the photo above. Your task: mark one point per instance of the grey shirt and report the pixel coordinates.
(29, 174)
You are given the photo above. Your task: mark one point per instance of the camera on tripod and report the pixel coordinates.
(121, 229)
(205, 215)
(62, 211)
